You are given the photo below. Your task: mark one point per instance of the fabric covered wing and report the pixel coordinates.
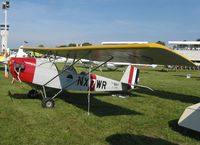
(150, 53)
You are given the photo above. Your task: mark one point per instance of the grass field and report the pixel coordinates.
(144, 118)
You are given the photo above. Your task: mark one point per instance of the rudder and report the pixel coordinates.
(131, 76)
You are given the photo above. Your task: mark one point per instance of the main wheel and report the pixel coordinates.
(33, 94)
(48, 103)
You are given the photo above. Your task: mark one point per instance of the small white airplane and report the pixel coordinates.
(20, 53)
(45, 74)
(191, 117)
(10, 54)
(5, 59)
(116, 65)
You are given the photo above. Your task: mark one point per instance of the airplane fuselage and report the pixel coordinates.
(45, 73)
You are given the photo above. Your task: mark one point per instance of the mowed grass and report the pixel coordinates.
(143, 118)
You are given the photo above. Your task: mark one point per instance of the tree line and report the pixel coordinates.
(71, 45)
(90, 44)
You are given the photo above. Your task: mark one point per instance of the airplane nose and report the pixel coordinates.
(23, 69)
(19, 67)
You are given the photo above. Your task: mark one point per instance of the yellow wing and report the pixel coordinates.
(2, 59)
(150, 53)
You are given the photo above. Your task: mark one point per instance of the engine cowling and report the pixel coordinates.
(23, 69)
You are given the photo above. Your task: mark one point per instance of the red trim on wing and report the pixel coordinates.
(93, 78)
(131, 75)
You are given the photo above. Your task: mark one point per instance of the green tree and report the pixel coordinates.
(86, 44)
(41, 45)
(62, 46)
(72, 45)
(161, 42)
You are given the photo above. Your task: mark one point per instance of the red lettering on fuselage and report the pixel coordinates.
(93, 78)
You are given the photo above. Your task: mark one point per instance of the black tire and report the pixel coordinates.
(48, 103)
(33, 94)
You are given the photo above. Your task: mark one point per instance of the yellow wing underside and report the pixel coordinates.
(150, 53)
(2, 58)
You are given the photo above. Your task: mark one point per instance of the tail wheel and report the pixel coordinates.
(33, 94)
(48, 103)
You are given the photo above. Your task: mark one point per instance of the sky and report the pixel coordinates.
(60, 22)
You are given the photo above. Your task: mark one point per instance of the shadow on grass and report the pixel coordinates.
(2, 68)
(173, 124)
(131, 139)
(21, 96)
(171, 96)
(98, 107)
(79, 100)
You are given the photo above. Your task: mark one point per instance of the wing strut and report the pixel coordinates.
(89, 91)
(88, 72)
(44, 90)
(49, 100)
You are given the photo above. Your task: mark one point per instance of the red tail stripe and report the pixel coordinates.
(131, 75)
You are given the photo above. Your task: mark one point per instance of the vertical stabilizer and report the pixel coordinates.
(21, 53)
(131, 76)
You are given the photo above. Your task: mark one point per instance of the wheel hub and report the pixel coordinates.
(49, 104)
